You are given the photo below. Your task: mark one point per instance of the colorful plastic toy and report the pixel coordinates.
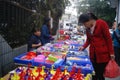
(52, 70)
(42, 72)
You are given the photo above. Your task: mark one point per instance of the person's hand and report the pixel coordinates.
(81, 48)
(51, 38)
(39, 44)
(112, 56)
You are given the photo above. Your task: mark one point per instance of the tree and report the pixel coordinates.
(100, 8)
(56, 7)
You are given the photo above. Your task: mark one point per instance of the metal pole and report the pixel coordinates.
(118, 17)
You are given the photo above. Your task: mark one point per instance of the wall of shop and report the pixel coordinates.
(7, 55)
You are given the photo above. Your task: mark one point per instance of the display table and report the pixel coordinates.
(60, 57)
(6, 77)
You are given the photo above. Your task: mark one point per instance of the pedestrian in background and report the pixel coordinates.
(116, 41)
(100, 41)
(114, 25)
(45, 31)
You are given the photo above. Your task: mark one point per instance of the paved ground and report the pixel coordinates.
(118, 78)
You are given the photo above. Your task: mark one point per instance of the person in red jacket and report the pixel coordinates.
(100, 41)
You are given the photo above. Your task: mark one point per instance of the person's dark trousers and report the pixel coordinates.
(99, 70)
(117, 55)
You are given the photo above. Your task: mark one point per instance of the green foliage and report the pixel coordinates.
(56, 7)
(101, 8)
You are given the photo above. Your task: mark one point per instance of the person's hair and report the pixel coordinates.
(119, 25)
(35, 29)
(86, 17)
(46, 20)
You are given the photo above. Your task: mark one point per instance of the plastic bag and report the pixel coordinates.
(112, 69)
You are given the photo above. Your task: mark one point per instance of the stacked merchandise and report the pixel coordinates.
(64, 55)
(40, 73)
(63, 35)
(59, 54)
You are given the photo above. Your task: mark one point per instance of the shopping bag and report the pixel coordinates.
(112, 69)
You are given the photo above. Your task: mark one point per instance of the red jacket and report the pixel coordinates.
(100, 42)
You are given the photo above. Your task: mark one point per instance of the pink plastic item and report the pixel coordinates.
(58, 45)
(39, 58)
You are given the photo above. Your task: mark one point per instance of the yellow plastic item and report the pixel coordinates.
(52, 70)
(42, 72)
(42, 79)
(64, 53)
(1, 79)
(65, 71)
(34, 72)
(66, 47)
(88, 77)
(15, 77)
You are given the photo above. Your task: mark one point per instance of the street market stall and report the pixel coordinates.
(59, 60)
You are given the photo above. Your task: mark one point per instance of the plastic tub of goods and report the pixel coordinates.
(77, 53)
(25, 58)
(45, 53)
(58, 63)
(83, 63)
(62, 64)
(59, 42)
(82, 60)
(52, 49)
(43, 49)
(39, 60)
(85, 69)
(74, 47)
(48, 63)
(52, 58)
